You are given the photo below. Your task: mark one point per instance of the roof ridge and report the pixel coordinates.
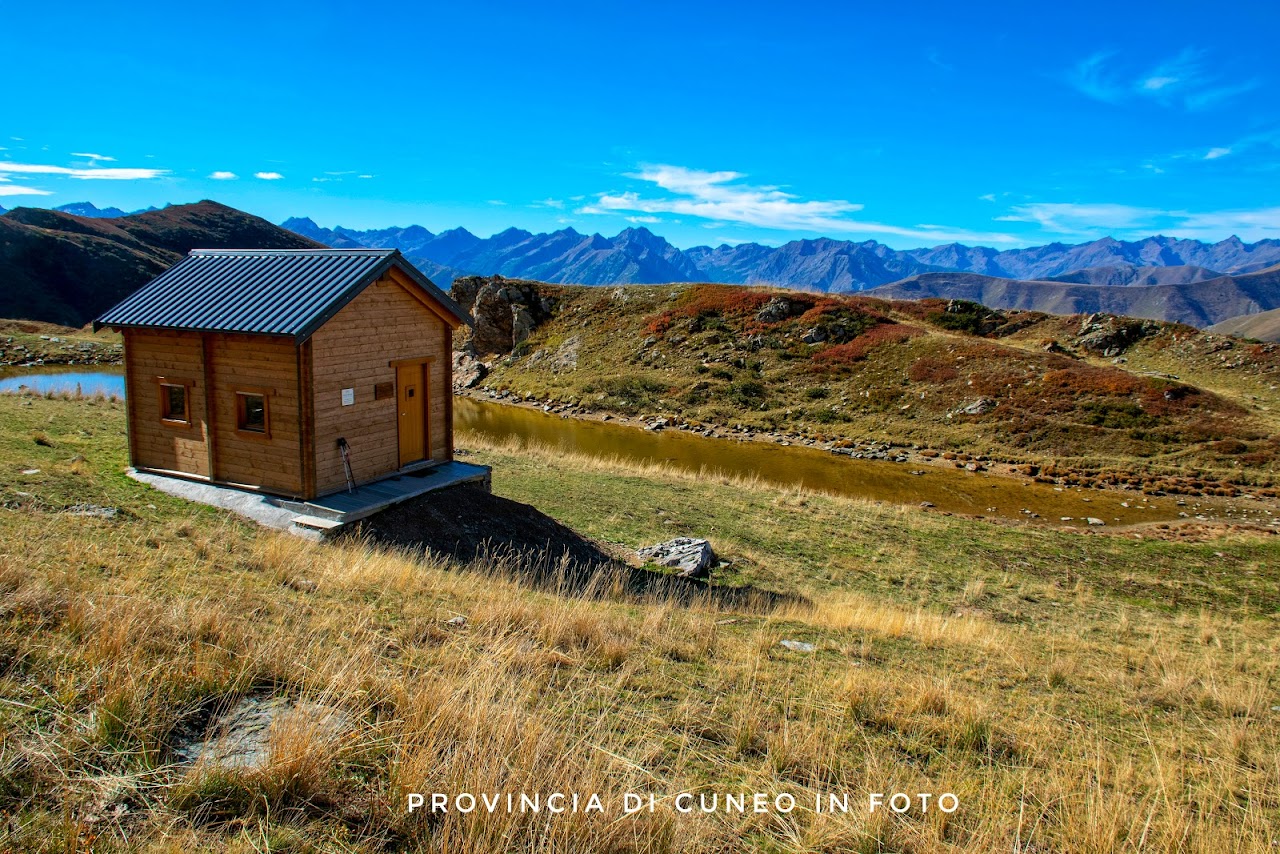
(363, 250)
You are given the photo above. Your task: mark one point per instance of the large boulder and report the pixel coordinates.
(467, 370)
(1108, 335)
(692, 557)
(505, 311)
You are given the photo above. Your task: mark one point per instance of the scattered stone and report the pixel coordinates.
(926, 503)
(92, 510)
(797, 646)
(692, 557)
(981, 406)
(31, 471)
(241, 739)
(456, 622)
(302, 585)
(778, 309)
(1094, 520)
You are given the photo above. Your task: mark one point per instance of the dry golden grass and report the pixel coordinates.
(1097, 724)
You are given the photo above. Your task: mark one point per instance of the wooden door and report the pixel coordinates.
(411, 400)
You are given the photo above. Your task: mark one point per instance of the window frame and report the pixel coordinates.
(241, 394)
(163, 384)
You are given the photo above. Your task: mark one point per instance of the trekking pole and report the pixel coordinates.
(345, 450)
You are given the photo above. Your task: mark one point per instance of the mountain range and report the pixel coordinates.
(67, 268)
(638, 256)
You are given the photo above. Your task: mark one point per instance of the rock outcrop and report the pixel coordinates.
(505, 311)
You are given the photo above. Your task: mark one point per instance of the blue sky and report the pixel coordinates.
(912, 124)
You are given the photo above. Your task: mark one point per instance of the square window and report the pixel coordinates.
(173, 403)
(251, 412)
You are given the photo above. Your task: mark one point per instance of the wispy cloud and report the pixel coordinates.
(548, 203)
(496, 202)
(223, 176)
(723, 197)
(987, 197)
(88, 174)
(1215, 153)
(1069, 218)
(1117, 220)
(936, 61)
(365, 176)
(1182, 80)
(8, 188)
(89, 156)
(268, 176)
(646, 220)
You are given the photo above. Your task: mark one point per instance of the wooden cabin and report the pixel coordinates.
(252, 368)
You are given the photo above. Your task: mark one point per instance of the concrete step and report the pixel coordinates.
(315, 523)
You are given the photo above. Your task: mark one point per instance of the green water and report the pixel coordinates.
(948, 489)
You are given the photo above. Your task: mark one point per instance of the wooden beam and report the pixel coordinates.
(448, 393)
(307, 420)
(210, 406)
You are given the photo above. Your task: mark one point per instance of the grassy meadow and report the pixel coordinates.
(1077, 692)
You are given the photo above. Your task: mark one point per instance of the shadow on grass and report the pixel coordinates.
(494, 534)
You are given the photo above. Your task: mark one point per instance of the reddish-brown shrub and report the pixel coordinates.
(841, 355)
(930, 369)
(1086, 379)
(711, 300)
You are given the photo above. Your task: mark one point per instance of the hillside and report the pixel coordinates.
(637, 256)
(1198, 303)
(1263, 326)
(1042, 675)
(67, 269)
(1096, 394)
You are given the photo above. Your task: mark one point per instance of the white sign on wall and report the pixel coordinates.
(348, 396)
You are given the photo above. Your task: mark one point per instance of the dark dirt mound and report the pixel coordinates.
(469, 525)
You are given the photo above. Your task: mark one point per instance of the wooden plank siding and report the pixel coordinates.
(179, 357)
(355, 350)
(257, 362)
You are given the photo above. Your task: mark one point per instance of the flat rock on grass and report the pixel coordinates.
(240, 740)
(691, 557)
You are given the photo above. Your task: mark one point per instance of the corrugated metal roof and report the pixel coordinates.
(262, 291)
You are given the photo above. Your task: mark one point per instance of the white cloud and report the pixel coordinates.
(268, 176)
(1097, 220)
(1184, 79)
(987, 197)
(8, 189)
(496, 202)
(1215, 153)
(365, 176)
(90, 174)
(92, 156)
(638, 220)
(723, 198)
(548, 203)
(223, 176)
